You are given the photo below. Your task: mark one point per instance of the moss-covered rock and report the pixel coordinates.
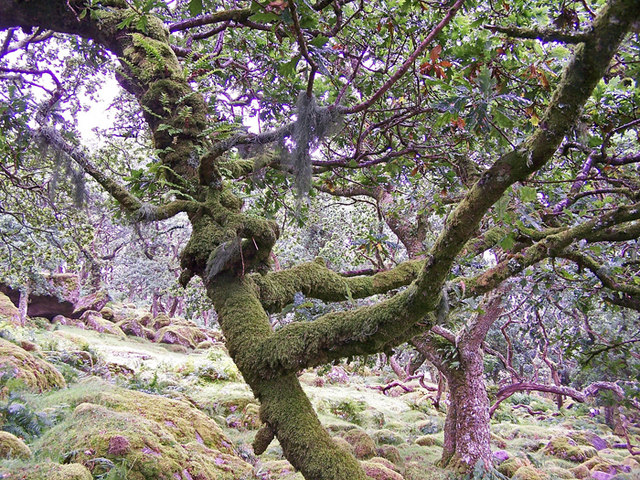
(152, 441)
(93, 302)
(280, 469)
(108, 314)
(344, 444)
(387, 437)
(51, 471)
(36, 374)
(251, 417)
(363, 445)
(13, 447)
(186, 336)
(568, 449)
(511, 466)
(378, 471)
(131, 326)
(428, 441)
(529, 473)
(8, 311)
(94, 321)
(580, 471)
(391, 453)
(387, 463)
(157, 323)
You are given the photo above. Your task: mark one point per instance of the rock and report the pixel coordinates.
(426, 441)
(63, 292)
(580, 471)
(154, 436)
(131, 326)
(500, 456)
(159, 322)
(94, 301)
(108, 314)
(601, 475)
(251, 417)
(94, 321)
(511, 466)
(589, 438)
(8, 311)
(51, 471)
(391, 453)
(13, 447)
(280, 469)
(36, 374)
(567, 449)
(378, 471)
(529, 473)
(558, 472)
(386, 463)
(207, 344)
(363, 445)
(180, 335)
(387, 437)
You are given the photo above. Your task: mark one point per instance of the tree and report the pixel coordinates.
(350, 94)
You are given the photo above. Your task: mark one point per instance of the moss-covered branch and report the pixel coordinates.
(315, 280)
(542, 34)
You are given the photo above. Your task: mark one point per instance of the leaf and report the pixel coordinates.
(264, 17)
(195, 7)
(435, 52)
(528, 194)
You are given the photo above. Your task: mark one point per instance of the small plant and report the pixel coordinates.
(21, 420)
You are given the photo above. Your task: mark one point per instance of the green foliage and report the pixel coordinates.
(20, 419)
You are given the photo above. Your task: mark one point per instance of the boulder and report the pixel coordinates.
(156, 437)
(8, 311)
(378, 471)
(58, 297)
(529, 473)
(13, 447)
(51, 471)
(500, 456)
(36, 374)
(567, 449)
(132, 327)
(94, 301)
(387, 437)
(94, 321)
(186, 336)
(363, 445)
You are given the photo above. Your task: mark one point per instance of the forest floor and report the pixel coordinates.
(139, 410)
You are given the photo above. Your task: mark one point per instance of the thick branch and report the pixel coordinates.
(577, 395)
(542, 34)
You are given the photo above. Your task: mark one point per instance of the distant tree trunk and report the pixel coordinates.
(23, 304)
(467, 435)
(467, 430)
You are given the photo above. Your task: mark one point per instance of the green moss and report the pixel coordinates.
(8, 310)
(510, 466)
(529, 473)
(50, 471)
(150, 448)
(391, 453)
(387, 437)
(559, 472)
(363, 445)
(379, 471)
(566, 448)
(580, 471)
(36, 374)
(13, 447)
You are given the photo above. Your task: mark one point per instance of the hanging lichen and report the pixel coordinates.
(311, 126)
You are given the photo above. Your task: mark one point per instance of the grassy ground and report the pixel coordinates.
(98, 421)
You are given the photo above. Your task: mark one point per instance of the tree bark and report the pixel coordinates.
(23, 304)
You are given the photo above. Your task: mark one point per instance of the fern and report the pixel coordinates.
(21, 420)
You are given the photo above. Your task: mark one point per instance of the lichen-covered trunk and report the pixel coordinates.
(284, 407)
(467, 435)
(23, 304)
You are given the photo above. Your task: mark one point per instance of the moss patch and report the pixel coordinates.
(12, 447)
(148, 445)
(36, 374)
(51, 471)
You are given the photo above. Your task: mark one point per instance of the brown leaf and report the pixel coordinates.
(435, 52)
